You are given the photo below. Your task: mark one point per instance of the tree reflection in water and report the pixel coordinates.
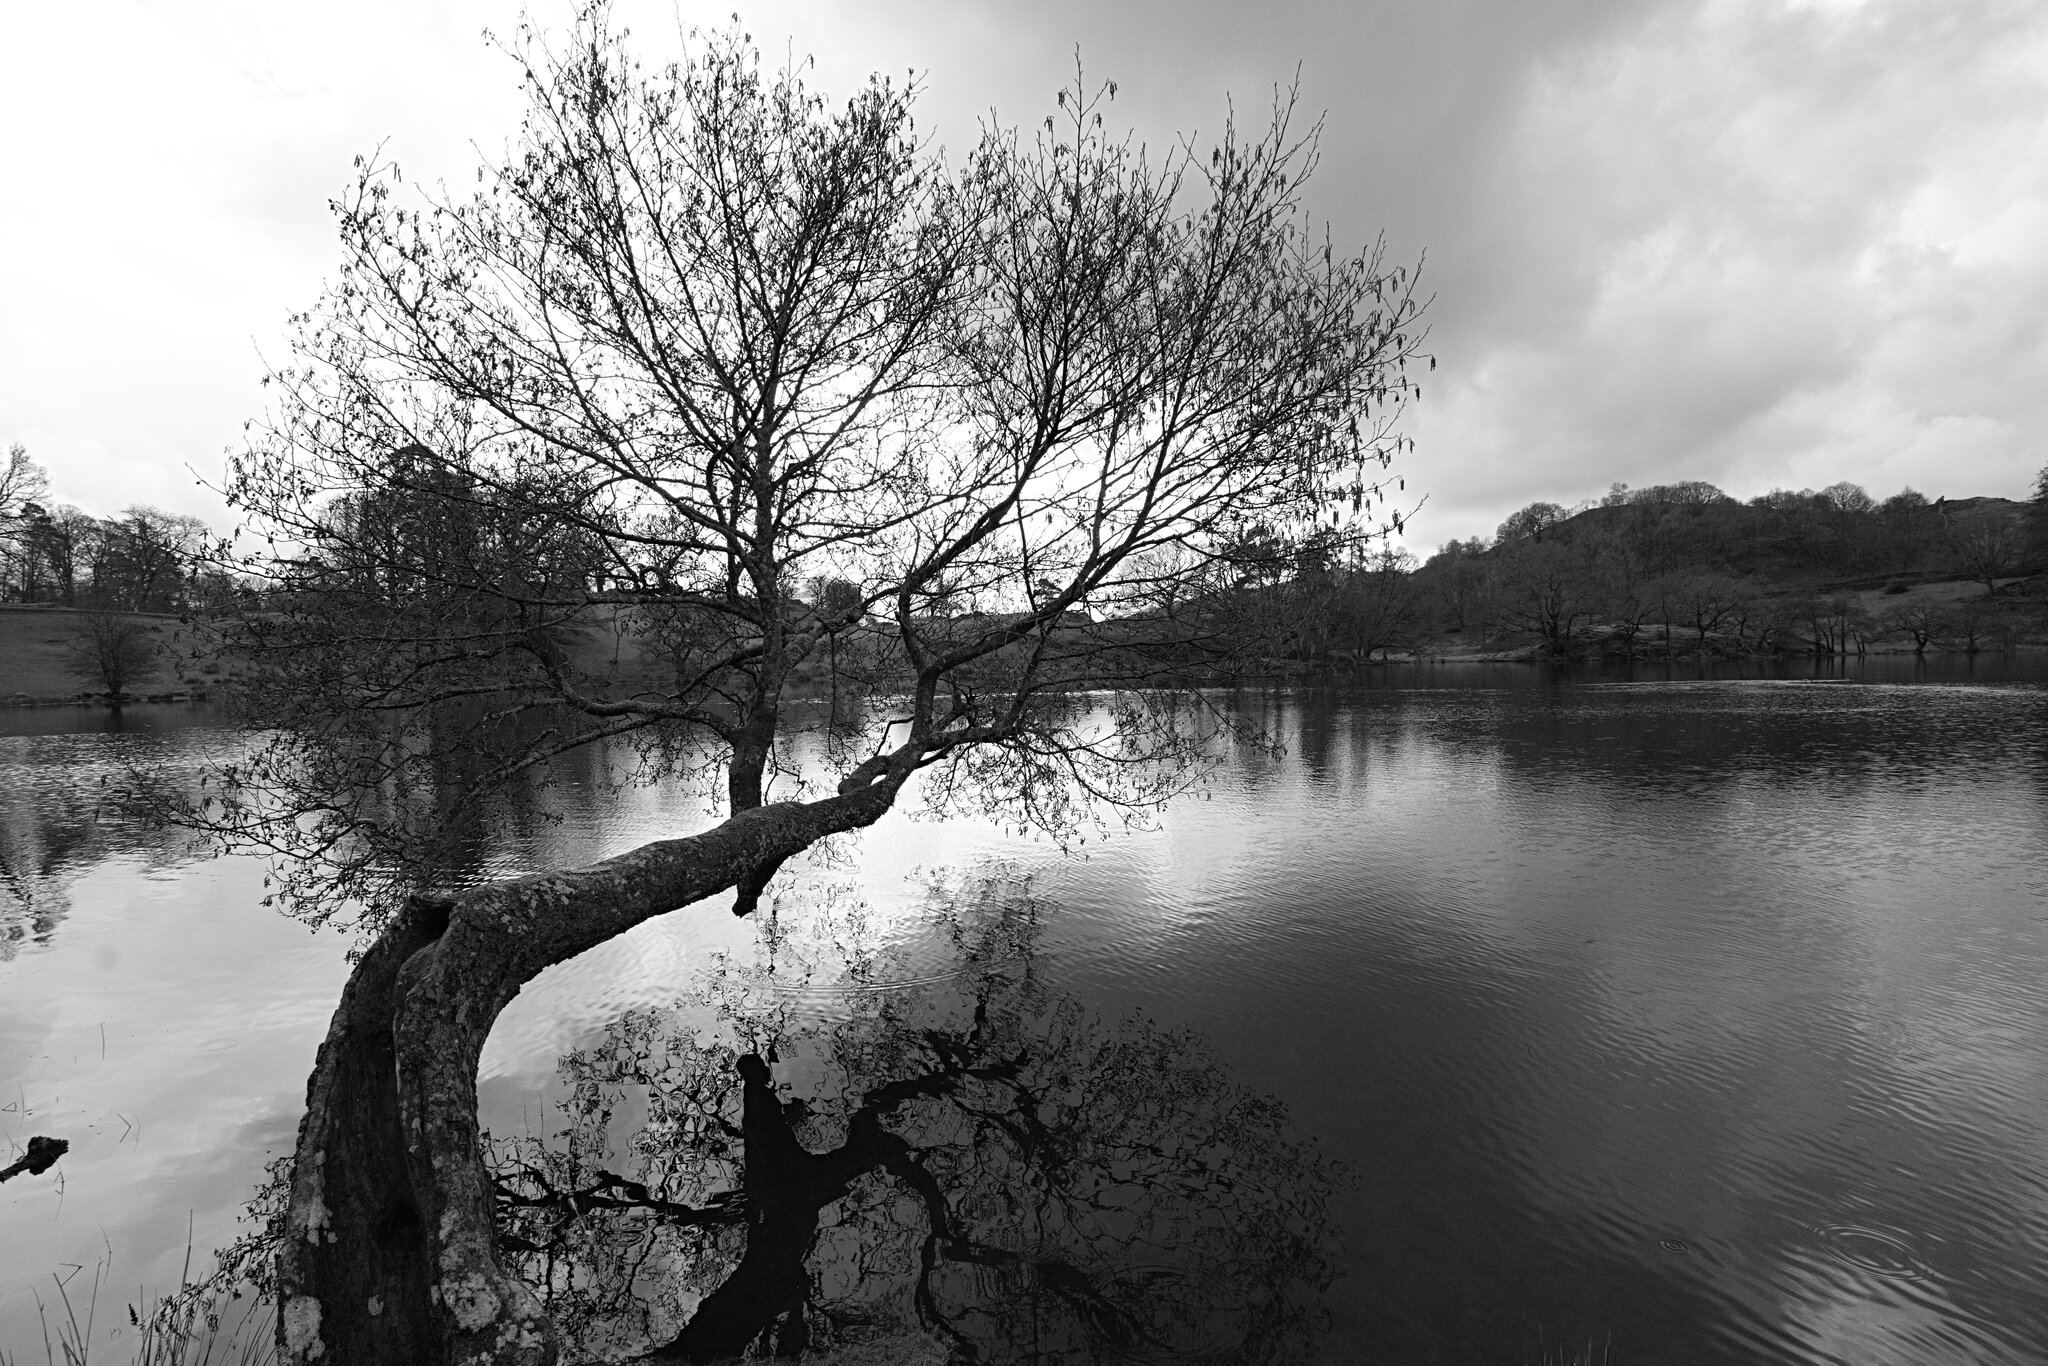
(48, 836)
(775, 1165)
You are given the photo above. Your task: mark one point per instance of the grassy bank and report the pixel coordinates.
(36, 644)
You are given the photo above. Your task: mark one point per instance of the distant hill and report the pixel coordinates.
(1795, 543)
(1685, 568)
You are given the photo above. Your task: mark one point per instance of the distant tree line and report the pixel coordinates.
(1671, 569)
(144, 560)
(1677, 569)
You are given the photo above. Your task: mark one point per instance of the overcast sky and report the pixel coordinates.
(1754, 242)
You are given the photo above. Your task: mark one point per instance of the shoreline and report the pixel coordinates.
(1276, 668)
(107, 701)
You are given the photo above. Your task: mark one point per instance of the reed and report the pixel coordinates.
(194, 1326)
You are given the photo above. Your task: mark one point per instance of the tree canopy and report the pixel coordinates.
(145, 560)
(704, 341)
(710, 378)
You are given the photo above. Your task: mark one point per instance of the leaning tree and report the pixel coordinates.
(563, 463)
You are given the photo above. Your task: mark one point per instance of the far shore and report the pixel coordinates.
(36, 671)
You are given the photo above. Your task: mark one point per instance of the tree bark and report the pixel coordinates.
(352, 1274)
(391, 1253)
(747, 769)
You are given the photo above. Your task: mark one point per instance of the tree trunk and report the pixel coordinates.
(391, 1252)
(747, 770)
(353, 1227)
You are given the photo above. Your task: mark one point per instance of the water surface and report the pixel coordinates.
(1698, 1019)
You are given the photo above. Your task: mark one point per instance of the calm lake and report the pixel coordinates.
(1652, 1019)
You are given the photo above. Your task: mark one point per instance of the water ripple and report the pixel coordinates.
(1874, 1250)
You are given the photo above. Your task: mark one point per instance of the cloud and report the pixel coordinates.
(1750, 241)
(166, 209)
(1759, 244)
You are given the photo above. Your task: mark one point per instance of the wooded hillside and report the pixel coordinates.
(1685, 570)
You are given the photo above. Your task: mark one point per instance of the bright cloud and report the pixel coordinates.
(1749, 241)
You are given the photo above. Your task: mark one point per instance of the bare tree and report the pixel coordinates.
(1849, 498)
(1835, 625)
(1973, 623)
(702, 341)
(1531, 521)
(23, 486)
(112, 649)
(1917, 622)
(2037, 521)
(1380, 605)
(1908, 523)
(22, 482)
(60, 545)
(1456, 582)
(1989, 546)
(1549, 591)
(1631, 597)
(1705, 601)
(143, 559)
